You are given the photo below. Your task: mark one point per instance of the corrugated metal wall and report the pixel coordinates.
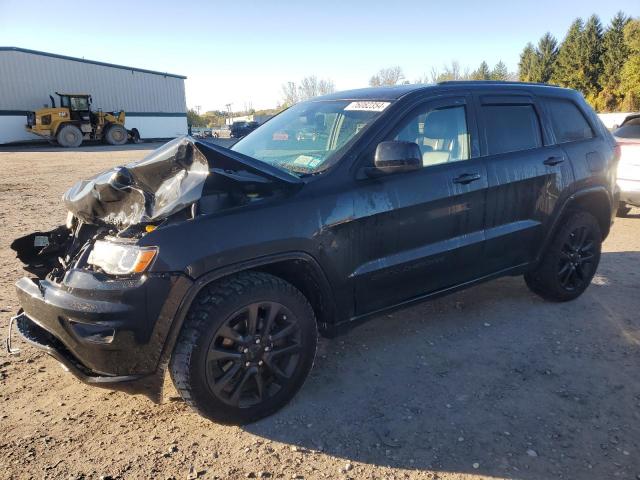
(27, 80)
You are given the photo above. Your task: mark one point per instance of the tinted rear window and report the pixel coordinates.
(629, 129)
(569, 124)
(511, 128)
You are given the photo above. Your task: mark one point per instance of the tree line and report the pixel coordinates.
(602, 63)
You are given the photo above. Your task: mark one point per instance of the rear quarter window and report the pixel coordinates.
(568, 122)
(511, 128)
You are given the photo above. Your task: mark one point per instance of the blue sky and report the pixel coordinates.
(242, 52)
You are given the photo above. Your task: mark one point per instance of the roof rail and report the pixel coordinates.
(493, 82)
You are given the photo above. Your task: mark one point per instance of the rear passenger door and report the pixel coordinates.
(525, 176)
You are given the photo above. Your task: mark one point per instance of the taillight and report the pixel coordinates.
(617, 153)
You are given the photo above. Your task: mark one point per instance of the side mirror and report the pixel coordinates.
(396, 156)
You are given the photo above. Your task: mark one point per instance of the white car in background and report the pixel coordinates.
(627, 136)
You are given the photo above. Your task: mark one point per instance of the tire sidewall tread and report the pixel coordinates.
(213, 304)
(543, 280)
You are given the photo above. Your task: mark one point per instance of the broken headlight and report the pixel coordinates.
(121, 259)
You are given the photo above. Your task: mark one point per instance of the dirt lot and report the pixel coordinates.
(490, 382)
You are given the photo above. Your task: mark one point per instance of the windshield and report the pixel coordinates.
(307, 138)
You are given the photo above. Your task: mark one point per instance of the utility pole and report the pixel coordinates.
(228, 105)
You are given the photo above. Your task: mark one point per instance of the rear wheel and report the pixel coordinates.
(246, 348)
(570, 261)
(116, 135)
(69, 136)
(623, 209)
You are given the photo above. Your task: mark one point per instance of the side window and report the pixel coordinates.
(569, 124)
(441, 134)
(511, 128)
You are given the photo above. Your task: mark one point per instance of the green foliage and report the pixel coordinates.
(630, 74)
(603, 64)
(593, 49)
(482, 73)
(527, 64)
(194, 119)
(500, 72)
(569, 70)
(545, 59)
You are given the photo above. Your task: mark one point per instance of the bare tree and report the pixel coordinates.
(450, 72)
(387, 76)
(309, 87)
(290, 94)
(326, 86)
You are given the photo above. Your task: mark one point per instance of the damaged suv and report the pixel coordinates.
(222, 265)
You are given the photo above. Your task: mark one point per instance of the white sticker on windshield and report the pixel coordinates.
(367, 106)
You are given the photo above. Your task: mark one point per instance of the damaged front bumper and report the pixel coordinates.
(106, 332)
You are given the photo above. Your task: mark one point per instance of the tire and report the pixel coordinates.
(570, 261)
(135, 136)
(623, 209)
(232, 372)
(116, 135)
(69, 136)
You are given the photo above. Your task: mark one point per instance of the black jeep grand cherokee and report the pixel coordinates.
(223, 265)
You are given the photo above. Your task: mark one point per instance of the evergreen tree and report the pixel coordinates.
(630, 75)
(614, 52)
(545, 59)
(592, 55)
(570, 69)
(500, 72)
(482, 73)
(527, 64)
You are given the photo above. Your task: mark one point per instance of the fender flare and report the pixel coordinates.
(566, 205)
(203, 280)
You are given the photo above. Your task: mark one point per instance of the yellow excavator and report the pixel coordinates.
(74, 121)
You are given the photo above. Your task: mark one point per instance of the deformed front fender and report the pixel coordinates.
(257, 263)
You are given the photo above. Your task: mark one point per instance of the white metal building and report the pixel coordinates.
(154, 102)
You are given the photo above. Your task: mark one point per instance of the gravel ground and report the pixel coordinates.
(491, 382)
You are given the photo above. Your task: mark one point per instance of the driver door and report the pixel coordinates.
(423, 231)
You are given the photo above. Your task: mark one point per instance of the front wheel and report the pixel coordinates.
(116, 135)
(246, 348)
(69, 136)
(570, 261)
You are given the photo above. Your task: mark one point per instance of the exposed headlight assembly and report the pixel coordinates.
(121, 259)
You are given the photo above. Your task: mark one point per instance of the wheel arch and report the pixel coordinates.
(298, 268)
(595, 200)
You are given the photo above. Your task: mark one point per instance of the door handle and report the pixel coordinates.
(551, 161)
(467, 178)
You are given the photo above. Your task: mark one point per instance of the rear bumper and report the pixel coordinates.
(630, 191)
(107, 332)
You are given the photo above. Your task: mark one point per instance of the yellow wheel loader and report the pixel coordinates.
(74, 121)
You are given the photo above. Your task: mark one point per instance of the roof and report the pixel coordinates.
(92, 62)
(395, 92)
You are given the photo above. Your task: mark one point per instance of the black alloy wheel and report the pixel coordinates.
(253, 354)
(576, 265)
(570, 261)
(246, 347)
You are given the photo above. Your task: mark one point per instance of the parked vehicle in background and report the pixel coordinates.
(73, 121)
(240, 129)
(226, 263)
(628, 139)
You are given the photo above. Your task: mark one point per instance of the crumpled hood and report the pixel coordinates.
(166, 181)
